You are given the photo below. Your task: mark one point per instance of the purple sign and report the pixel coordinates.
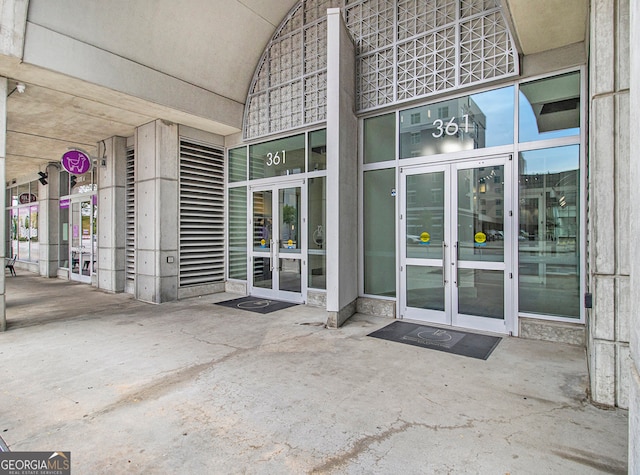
(27, 198)
(76, 162)
(64, 203)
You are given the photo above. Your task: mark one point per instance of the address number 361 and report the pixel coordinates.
(451, 127)
(276, 158)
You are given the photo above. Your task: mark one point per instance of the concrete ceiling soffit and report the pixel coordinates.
(544, 25)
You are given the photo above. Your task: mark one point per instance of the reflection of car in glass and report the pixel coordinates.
(494, 235)
(525, 236)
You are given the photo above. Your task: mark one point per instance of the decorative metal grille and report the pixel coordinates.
(406, 49)
(130, 212)
(201, 214)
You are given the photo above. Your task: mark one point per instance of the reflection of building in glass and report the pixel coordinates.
(549, 208)
(444, 127)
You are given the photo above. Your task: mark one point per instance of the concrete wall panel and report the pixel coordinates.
(623, 309)
(342, 173)
(146, 152)
(13, 21)
(168, 217)
(603, 56)
(623, 45)
(622, 130)
(146, 215)
(146, 262)
(603, 372)
(147, 288)
(623, 374)
(634, 110)
(603, 315)
(602, 178)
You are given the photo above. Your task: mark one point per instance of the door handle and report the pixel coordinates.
(271, 253)
(455, 263)
(444, 263)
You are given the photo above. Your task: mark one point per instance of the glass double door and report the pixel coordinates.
(278, 242)
(82, 231)
(456, 246)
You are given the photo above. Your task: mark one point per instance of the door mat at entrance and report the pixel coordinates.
(256, 304)
(450, 341)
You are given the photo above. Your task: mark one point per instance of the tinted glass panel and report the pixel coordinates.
(549, 235)
(316, 232)
(425, 215)
(318, 150)
(278, 157)
(379, 233)
(470, 122)
(237, 233)
(380, 139)
(238, 164)
(550, 108)
(481, 214)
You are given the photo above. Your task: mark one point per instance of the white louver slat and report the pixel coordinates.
(130, 212)
(201, 214)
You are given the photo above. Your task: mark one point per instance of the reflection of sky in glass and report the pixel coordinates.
(529, 127)
(551, 160)
(497, 106)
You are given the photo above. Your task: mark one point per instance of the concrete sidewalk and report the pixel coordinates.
(196, 388)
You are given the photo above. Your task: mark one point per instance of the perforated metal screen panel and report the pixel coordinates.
(406, 49)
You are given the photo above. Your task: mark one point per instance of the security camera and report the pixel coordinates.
(20, 87)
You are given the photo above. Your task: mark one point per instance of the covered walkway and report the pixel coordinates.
(193, 387)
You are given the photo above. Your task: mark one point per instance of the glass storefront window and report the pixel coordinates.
(277, 157)
(317, 196)
(237, 233)
(318, 150)
(238, 164)
(34, 244)
(550, 108)
(14, 232)
(379, 233)
(63, 249)
(380, 139)
(467, 123)
(549, 234)
(22, 218)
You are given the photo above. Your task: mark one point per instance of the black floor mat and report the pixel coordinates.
(256, 304)
(451, 341)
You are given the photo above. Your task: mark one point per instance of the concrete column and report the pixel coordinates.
(342, 173)
(634, 261)
(112, 220)
(3, 194)
(13, 22)
(49, 222)
(609, 206)
(157, 212)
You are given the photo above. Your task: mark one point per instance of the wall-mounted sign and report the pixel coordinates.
(76, 162)
(25, 198)
(64, 203)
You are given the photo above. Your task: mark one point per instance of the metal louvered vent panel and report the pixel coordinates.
(130, 211)
(201, 214)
